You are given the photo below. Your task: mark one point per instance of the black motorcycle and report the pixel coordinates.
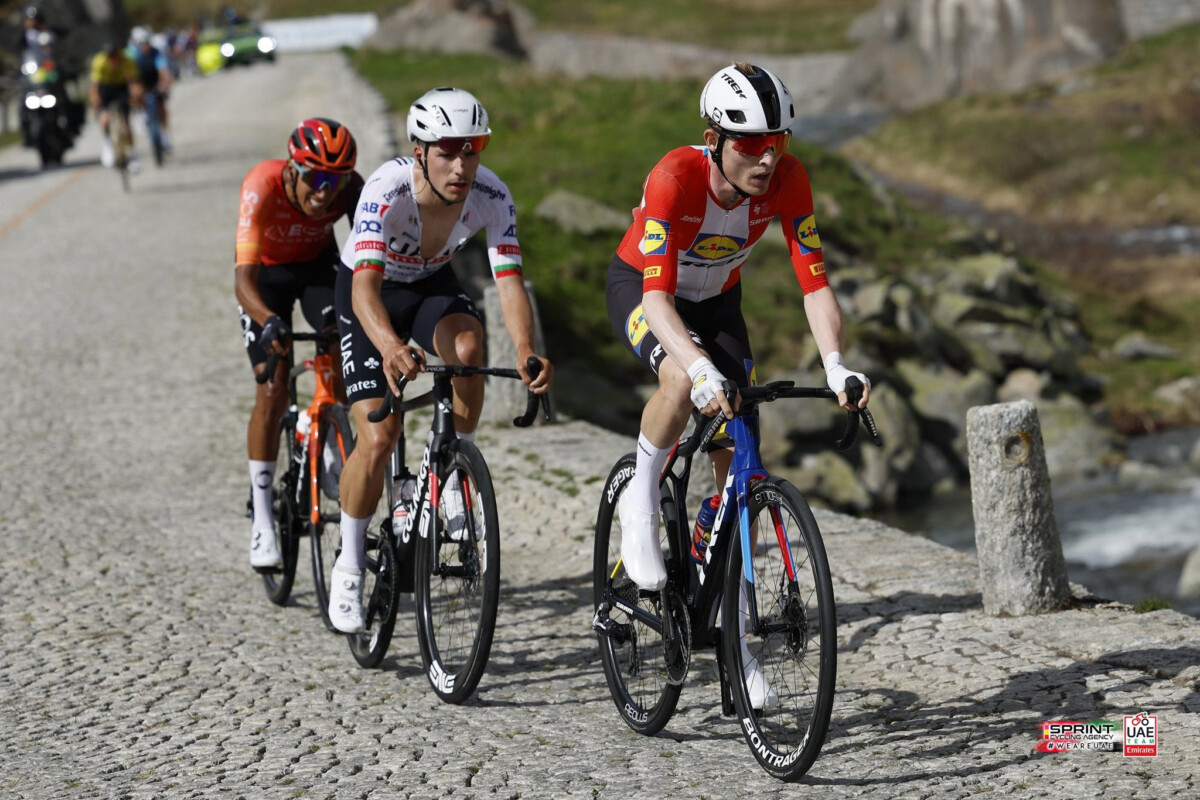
(49, 119)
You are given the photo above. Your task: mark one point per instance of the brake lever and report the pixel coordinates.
(268, 373)
(534, 367)
(390, 399)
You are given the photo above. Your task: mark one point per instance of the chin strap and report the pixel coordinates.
(433, 189)
(716, 157)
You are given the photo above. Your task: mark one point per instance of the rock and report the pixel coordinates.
(1143, 477)
(883, 467)
(831, 478)
(575, 213)
(1183, 393)
(915, 52)
(1076, 445)
(1022, 384)
(1189, 578)
(1135, 346)
(931, 472)
(941, 398)
(455, 26)
(1021, 565)
(1194, 458)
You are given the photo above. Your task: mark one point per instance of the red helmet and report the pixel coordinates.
(323, 144)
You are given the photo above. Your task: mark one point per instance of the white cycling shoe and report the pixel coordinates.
(639, 546)
(762, 696)
(345, 599)
(264, 549)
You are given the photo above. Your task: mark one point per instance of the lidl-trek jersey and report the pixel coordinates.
(273, 231)
(686, 244)
(387, 230)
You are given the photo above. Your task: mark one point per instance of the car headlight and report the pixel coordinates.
(32, 101)
(49, 101)
(29, 67)
(266, 44)
(227, 50)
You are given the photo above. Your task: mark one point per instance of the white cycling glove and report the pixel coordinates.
(836, 374)
(706, 382)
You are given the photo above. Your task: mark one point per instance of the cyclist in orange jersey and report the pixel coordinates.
(286, 252)
(673, 288)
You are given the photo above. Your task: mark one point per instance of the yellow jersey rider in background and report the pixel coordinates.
(115, 82)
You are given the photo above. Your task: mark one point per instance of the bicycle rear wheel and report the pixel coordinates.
(457, 583)
(632, 650)
(381, 594)
(792, 640)
(288, 508)
(118, 131)
(336, 443)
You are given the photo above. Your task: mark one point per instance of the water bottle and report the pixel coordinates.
(704, 526)
(408, 487)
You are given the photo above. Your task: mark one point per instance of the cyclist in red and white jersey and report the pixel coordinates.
(396, 285)
(674, 291)
(286, 252)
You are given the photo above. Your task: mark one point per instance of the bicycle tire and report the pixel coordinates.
(381, 595)
(796, 640)
(118, 131)
(325, 537)
(645, 698)
(287, 507)
(456, 585)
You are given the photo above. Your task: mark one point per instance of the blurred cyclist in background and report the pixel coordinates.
(115, 85)
(154, 72)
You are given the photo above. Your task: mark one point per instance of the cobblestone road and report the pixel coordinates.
(140, 659)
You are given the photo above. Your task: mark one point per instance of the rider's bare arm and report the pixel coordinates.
(825, 319)
(518, 320)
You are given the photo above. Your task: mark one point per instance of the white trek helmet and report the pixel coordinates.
(747, 99)
(446, 113)
(139, 35)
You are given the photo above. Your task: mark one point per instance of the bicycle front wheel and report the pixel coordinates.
(457, 578)
(336, 443)
(287, 507)
(632, 648)
(781, 648)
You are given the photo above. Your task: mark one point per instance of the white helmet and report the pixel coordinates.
(745, 99)
(446, 113)
(139, 35)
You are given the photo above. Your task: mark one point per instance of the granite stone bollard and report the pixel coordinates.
(1021, 565)
(506, 398)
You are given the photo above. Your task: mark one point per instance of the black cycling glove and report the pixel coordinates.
(274, 330)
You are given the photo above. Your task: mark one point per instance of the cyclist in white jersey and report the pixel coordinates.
(396, 285)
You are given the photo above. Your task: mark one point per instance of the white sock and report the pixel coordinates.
(262, 478)
(643, 489)
(354, 542)
(467, 437)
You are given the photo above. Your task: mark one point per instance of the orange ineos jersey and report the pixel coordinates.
(273, 231)
(686, 244)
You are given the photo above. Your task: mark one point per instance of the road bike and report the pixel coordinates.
(764, 571)
(121, 138)
(452, 565)
(154, 130)
(313, 444)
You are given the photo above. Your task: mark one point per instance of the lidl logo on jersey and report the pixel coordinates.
(654, 239)
(715, 248)
(636, 328)
(806, 234)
